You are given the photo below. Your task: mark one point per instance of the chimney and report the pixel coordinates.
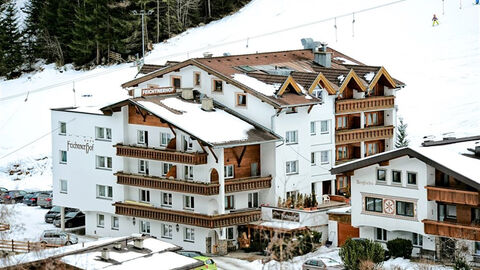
(105, 254)
(322, 57)
(207, 104)
(138, 243)
(187, 94)
(207, 54)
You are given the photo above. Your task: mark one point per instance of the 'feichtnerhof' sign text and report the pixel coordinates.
(87, 147)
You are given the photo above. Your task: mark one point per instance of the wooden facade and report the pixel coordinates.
(364, 134)
(364, 104)
(453, 196)
(187, 218)
(450, 229)
(162, 155)
(139, 116)
(243, 159)
(248, 183)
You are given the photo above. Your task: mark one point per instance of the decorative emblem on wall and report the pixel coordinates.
(388, 206)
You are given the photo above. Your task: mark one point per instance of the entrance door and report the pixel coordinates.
(326, 187)
(208, 241)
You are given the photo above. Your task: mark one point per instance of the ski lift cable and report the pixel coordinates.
(82, 78)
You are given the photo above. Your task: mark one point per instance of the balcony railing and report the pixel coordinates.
(160, 154)
(451, 195)
(454, 230)
(364, 134)
(250, 183)
(167, 184)
(364, 104)
(184, 217)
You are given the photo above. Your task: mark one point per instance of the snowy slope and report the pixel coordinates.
(439, 64)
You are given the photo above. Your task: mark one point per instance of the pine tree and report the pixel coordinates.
(10, 41)
(402, 140)
(32, 47)
(81, 45)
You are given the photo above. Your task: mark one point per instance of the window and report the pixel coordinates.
(189, 235)
(188, 202)
(411, 178)
(397, 177)
(417, 239)
(381, 175)
(229, 202)
(63, 186)
(115, 223)
(104, 192)
(166, 168)
(196, 79)
(144, 227)
(241, 100)
(63, 157)
(342, 181)
(313, 159)
(144, 195)
(291, 137)
(166, 231)
(63, 128)
(324, 157)
(104, 162)
(371, 119)
(217, 86)
(292, 194)
(100, 220)
(405, 209)
(380, 234)
(143, 166)
(103, 133)
(230, 233)
(313, 128)
(372, 148)
(342, 152)
(253, 200)
(165, 138)
(324, 126)
(342, 122)
(187, 143)
(188, 172)
(292, 167)
(317, 92)
(373, 204)
(176, 82)
(477, 248)
(142, 136)
(228, 171)
(167, 199)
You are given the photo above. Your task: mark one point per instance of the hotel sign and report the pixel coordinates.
(158, 91)
(284, 215)
(87, 147)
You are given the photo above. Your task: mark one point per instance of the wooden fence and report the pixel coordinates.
(4, 227)
(22, 246)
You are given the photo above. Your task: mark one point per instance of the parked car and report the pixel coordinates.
(58, 238)
(321, 263)
(27, 199)
(3, 190)
(52, 213)
(44, 199)
(13, 196)
(72, 219)
(207, 261)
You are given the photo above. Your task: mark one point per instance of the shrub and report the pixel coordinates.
(461, 264)
(355, 251)
(317, 236)
(400, 248)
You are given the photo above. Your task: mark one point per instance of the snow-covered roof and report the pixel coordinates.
(86, 109)
(341, 210)
(280, 225)
(257, 85)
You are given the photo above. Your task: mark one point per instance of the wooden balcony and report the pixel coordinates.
(454, 230)
(364, 134)
(250, 183)
(160, 154)
(185, 217)
(167, 184)
(451, 195)
(364, 104)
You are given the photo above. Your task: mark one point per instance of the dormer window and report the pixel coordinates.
(241, 100)
(217, 86)
(317, 92)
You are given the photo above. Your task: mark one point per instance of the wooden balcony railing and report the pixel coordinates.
(364, 104)
(451, 195)
(454, 230)
(364, 134)
(167, 184)
(159, 154)
(250, 183)
(188, 218)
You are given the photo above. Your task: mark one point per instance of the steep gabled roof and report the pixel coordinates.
(352, 76)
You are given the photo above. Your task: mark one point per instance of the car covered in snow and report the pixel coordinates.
(56, 237)
(321, 263)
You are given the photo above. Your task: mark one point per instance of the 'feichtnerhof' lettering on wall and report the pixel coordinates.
(86, 146)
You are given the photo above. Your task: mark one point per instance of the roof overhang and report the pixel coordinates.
(324, 82)
(352, 76)
(383, 72)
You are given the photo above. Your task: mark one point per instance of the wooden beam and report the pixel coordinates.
(213, 153)
(171, 128)
(310, 108)
(201, 145)
(384, 163)
(239, 160)
(139, 111)
(279, 110)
